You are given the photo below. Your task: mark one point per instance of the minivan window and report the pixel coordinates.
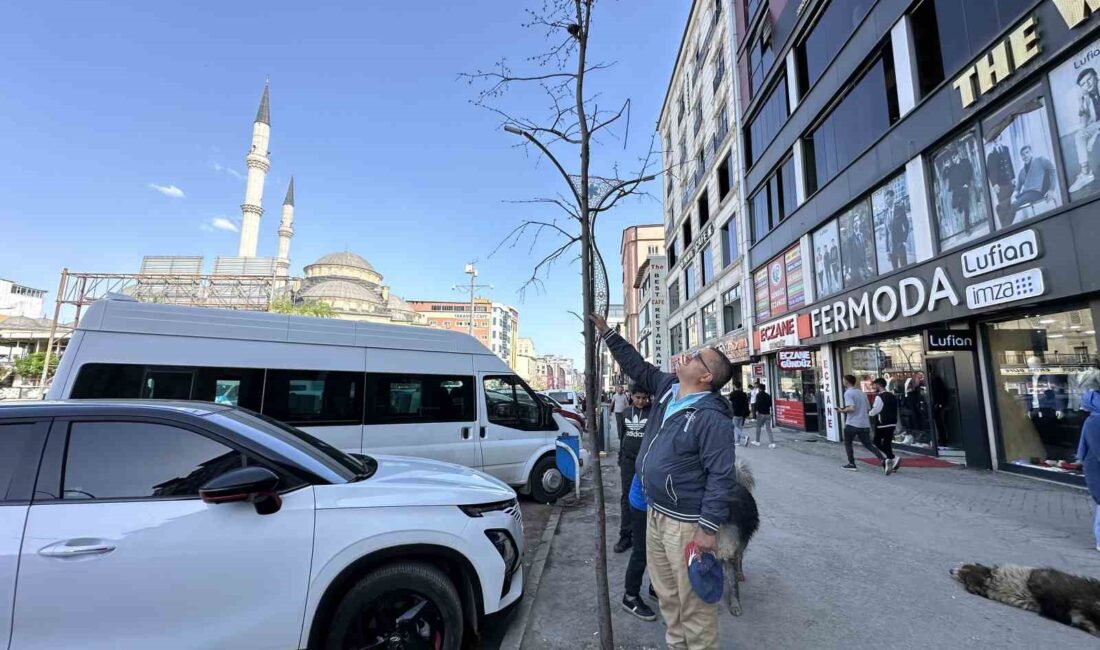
(314, 397)
(228, 386)
(563, 397)
(511, 404)
(413, 399)
(132, 460)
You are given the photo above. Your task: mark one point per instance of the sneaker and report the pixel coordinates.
(771, 446)
(849, 466)
(754, 443)
(637, 607)
(623, 544)
(1083, 180)
(895, 462)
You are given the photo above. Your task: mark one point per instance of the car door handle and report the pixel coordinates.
(465, 433)
(77, 548)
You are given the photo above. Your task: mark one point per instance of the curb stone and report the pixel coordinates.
(513, 639)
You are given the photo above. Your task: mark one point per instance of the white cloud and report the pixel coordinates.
(218, 167)
(221, 223)
(168, 190)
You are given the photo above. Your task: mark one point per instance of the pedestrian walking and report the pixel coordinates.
(884, 412)
(636, 417)
(635, 566)
(1088, 452)
(753, 392)
(857, 423)
(686, 467)
(620, 401)
(763, 415)
(739, 400)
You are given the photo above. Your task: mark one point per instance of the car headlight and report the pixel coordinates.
(479, 509)
(506, 546)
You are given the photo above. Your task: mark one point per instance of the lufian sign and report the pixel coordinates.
(940, 339)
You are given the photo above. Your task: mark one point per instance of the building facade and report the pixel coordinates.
(637, 245)
(921, 181)
(557, 372)
(19, 300)
(505, 331)
(496, 325)
(704, 230)
(526, 363)
(355, 291)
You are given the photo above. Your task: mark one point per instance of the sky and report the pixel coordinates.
(125, 125)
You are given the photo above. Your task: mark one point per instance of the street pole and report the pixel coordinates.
(53, 324)
(473, 278)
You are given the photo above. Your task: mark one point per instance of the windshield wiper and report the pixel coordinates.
(369, 465)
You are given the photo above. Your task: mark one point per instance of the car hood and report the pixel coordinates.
(404, 481)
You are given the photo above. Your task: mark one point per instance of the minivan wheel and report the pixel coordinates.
(547, 482)
(402, 606)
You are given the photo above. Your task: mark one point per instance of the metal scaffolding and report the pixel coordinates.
(245, 292)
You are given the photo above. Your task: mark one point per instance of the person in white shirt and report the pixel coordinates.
(620, 402)
(752, 400)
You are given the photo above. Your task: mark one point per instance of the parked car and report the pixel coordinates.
(149, 524)
(568, 400)
(361, 387)
(577, 419)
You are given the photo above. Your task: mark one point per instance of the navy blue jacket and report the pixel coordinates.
(686, 465)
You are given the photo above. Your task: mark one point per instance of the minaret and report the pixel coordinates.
(258, 164)
(286, 231)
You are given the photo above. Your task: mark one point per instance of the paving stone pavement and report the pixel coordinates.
(850, 559)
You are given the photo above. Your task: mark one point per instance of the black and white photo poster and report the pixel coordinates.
(1019, 155)
(893, 225)
(962, 212)
(1076, 93)
(857, 250)
(827, 274)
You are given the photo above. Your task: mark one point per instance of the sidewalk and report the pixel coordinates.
(848, 559)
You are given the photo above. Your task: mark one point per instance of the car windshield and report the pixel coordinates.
(349, 467)
(562, 397)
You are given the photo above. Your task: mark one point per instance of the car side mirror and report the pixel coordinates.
(253, 484)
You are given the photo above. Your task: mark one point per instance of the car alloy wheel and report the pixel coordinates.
(397, 620)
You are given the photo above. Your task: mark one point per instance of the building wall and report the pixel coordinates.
(638, 243)
(18, 300)
(455, 316)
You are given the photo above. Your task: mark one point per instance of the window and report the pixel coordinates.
(827, 272)
(837, 23)
(20, 448)
(132, 460)
(857, 251)
(719, 72)
(509, 403)
(953, 32)
(1023, 180)
(314, 397)
(673, 295)
(765, 125)
(761, 56)
(229, 386)
(672, 253)
(698, 113)
(732, 315)
(788, 197)
(686, 228)
(774, 201)
(729, 242)
(679, 112)
(675, 339)
(689, 281)
(750, 8)
(724, 178)
(893, 225)
(856, 121)
(704, 209)
(691, 331)
(722, 128)
(706, 265)
(962, 212)
(710, 321)
(760, 213)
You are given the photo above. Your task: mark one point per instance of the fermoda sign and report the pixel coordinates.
(783, 333)
(794, 359)
(1016, 50)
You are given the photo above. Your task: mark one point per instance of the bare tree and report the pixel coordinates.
(573, 122)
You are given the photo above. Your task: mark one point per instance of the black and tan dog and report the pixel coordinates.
(734, 536)
(1065, 598)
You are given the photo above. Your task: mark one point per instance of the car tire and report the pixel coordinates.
(547, 484)
(412, 584)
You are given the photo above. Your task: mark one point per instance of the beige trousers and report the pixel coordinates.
(692, 624)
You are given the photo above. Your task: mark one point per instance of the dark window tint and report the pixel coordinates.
(731, 310)
(672, 253)
(689, 281)
(704, 209)
(788, 197)
(108, 380)
(869, 108)
(686, 228)
(20, 450)
(837, 23)
(706, 265)
(724, 178)
(673, 295)
(409, 399)
(675, 339)
(951, 33)
(167, 383)
(230, 386)
(511, 404)
(765, 125)
(314, 397)
(759, 209)
(761, 57)
(729, 242)
(120, 460)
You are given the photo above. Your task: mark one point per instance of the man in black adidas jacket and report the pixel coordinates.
(686, 466)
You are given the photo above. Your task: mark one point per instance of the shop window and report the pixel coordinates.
(673, 295)
(729, 242)
(838, 21)
(761, 299)
(1019, 154)
(765, 125)
(691, 331)
(1038, 366)
(900, 363)
(706, 265)
(827, 274)
(689, 281)
(962, 211)
(732, 317)
(710, 322)
(893, 225)
(675, 339)
(1076, 98)
(853, 124)
(952, 32)
(857, 251)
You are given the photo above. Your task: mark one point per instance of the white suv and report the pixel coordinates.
(194, 525)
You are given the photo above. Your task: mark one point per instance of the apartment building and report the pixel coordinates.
(637, 245)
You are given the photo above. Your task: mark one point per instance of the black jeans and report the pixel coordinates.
(635, 567)
(884, 440)
(864, 435)
(626, 476)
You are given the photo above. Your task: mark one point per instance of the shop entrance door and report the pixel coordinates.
(943, 396)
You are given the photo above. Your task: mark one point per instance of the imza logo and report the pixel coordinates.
(1018, 286)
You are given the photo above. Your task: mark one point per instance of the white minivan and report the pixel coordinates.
(361, 387)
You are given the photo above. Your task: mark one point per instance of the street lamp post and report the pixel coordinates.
(471, 270)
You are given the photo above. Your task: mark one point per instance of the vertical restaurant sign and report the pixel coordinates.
(796, 290)
(777, 285)
(760, 295)
(657, 302)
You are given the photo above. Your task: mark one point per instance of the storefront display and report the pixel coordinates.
(1038, 364)
(796, 396)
